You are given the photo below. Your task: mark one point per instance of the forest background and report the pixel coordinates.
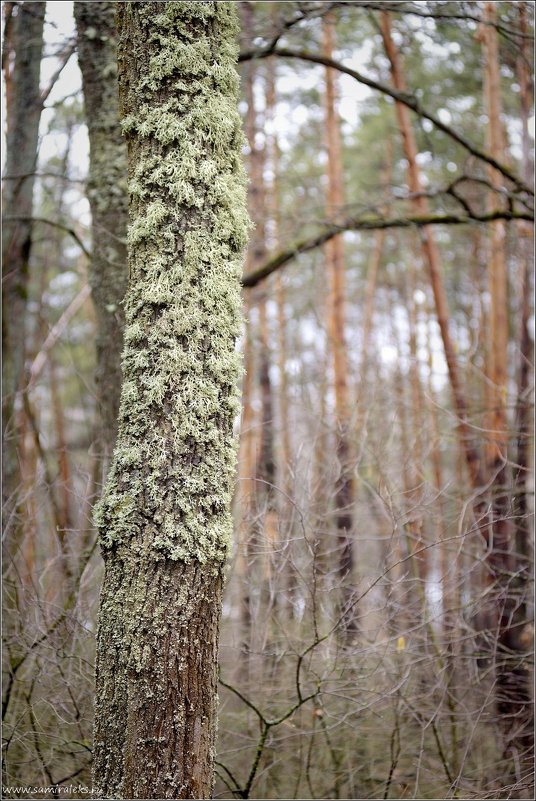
(376, 637)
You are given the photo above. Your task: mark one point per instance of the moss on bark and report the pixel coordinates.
(175, 456)
(164, 520)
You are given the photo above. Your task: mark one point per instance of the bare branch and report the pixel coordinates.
(54, 224)
(374, 224)
(408, 100)
(64, 58)
(55, 333)
(412, 10)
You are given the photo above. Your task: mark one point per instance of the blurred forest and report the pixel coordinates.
(377, 633)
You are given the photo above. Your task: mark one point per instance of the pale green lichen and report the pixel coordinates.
(171, 481)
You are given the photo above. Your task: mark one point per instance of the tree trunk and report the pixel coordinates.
(336, 323)
(507, 594)
(497, 333)
(523, 411)
(416, 466)
(63, 481)
(513, 696)
(24, 113)
(431, 259)
(284, 563)
(164, 521)
(108, 199)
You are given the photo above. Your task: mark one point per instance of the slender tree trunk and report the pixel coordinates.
(448, 556)
(523, 411)
(497, 339)
(277, 452)
(370, 291)
(417, 416)
(512, 674)
(64, 483)
(265, 532)
(8, 55)
(274, 213)
(164, 520)
(397, 551)
(432, 259)
(243, 501)
(108, 199)
(252, 428)
(22, 65)
(372, 279)
(63, 486)
(344, 496)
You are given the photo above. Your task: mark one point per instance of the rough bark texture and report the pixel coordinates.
(108, 199)
(164, 520)
(23, 115)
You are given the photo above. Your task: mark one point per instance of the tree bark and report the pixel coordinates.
(525, 369)
(282, 457)
(336, 324)
(164, 521)
(108, 199)
(514, 702)
(513, 696)
(432, 259)
(24, 113)
(497, 331)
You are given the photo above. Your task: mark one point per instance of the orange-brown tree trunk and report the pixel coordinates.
(523, 411)
(344, 495)
(512, 676)
(431, 258)
(282, 455)
(512, 699)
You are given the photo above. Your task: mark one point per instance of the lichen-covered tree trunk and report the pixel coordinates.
(164, 520)
(108, 199)
(22, 63)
